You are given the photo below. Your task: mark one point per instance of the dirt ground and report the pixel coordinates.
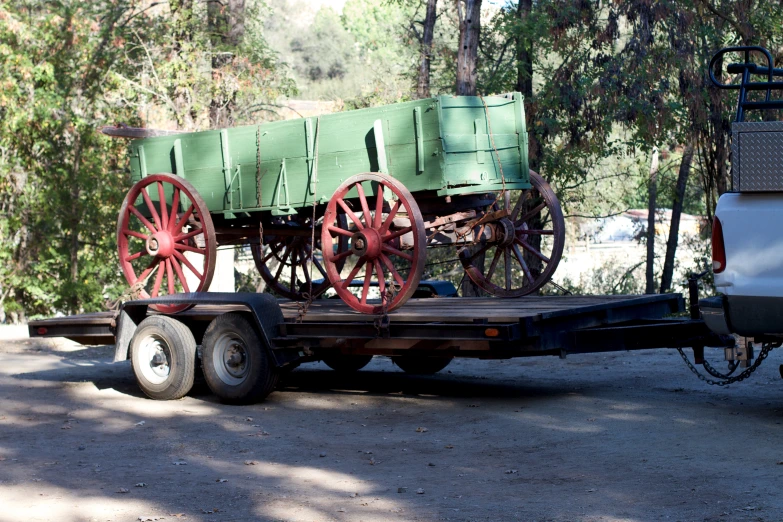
(614, 437)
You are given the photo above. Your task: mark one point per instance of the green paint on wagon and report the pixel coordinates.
(440, 145)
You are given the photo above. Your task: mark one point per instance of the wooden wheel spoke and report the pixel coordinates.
(145, 221)
(367, 281)
(188, 248)
(347, 281)
(185, 261)
(282, 263)
(320, 269)
(391, 250)
(396, 275)
(378, 207)
(294, 264)
(381, 281)
(397, 233)
(478, 252)
(537, 232)
(493, 264)
(507, 263)
(350, 214)
(158, 280)
(365, 208)
(518, 205)
(164, 212)
(180, 274)
(272, 251)
(174, 206)
(190, 234)
(527, 246)
(133, 233)
(184, 218)
(342, 255)
(147, 270)
(338, 230)
(390, 218)
(523, 264)
(135, 256)
(151, 207)
(305, 257)
(529, 214)
(170, 278)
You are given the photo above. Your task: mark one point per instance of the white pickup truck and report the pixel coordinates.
(747, 237)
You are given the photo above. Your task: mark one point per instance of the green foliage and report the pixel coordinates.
(66, 69)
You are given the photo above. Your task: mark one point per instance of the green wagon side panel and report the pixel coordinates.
(435, 144)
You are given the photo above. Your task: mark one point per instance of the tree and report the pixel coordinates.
(425, 54)
(469, 14)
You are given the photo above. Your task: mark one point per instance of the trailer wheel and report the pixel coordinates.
(420, 365)
(347, 363)
(163, 356)
(236, 366)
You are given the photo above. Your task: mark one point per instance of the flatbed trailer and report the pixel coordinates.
(243, 342)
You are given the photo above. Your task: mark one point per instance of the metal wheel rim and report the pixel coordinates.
(154, 349)
(405, 202)
(164, 218)
(226, 346)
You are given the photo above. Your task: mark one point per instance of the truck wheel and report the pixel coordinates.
(163, 356)
(236, 365)
(347, 363)
(421, 365)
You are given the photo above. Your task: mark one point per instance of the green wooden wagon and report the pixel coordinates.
(354, 195)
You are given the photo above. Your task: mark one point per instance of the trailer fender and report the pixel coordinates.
(262, 309)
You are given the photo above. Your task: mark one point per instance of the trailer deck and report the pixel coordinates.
(228, 331)
(484, 327)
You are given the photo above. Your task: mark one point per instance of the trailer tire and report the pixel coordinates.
(163, 357)
(237, 366)
(347, 363)
(421, 365)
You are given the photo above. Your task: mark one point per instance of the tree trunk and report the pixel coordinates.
(75, 192)
(469, 12)
(525, 79)
(674, 226)
(652, 192)
(227, 29)
(423, 83)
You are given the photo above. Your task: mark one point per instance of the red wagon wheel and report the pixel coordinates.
(291, 251)
(530, 244)
(165, 232)
(386, 243)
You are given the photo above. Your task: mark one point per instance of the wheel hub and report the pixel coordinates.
(367, 243)
(507, 232)
(160, 244)
(234, 360)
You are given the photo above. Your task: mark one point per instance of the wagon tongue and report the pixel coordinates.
(123, 131)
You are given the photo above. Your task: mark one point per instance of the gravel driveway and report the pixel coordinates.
(614, 437)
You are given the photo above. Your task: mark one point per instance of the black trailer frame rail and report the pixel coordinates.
(486, 328)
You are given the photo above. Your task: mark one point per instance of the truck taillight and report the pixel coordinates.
(718, 249)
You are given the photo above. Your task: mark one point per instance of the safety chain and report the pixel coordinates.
(304, 306)
(382, 320)
(765, 349)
